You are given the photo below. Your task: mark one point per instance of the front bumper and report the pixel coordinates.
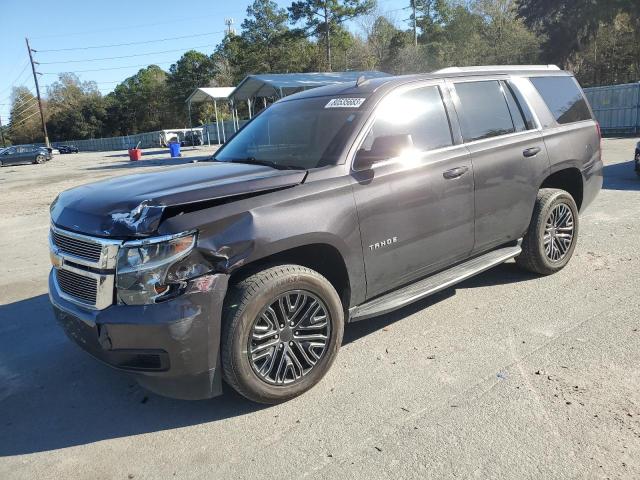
(171, 348)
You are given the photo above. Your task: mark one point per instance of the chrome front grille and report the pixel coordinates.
(84, 288)
(84, 267)
(77, 247)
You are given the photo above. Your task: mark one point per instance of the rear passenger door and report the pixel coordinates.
(24, 155)
(508, 153)
(415, 210)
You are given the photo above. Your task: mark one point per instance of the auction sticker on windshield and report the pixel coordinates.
(345, 102)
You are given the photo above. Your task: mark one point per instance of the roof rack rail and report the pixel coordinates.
(490, 68)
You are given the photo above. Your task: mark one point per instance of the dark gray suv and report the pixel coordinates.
(333, 205)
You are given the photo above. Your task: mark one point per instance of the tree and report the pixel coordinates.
(379, 37)
(506, 38)
(612, 56)
(24, 124)
(323, 17)
(569, 25)
(140, 103)
(191, 71)
(265, 45)
(76, 109)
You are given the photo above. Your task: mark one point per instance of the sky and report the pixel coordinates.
(143, 31)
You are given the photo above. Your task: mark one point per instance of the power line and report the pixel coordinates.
(125, 56)
(17, 78)
(23, 121)
(22, 101)
(128, 27)
(130, 43)
(23, 110)
(110, 68)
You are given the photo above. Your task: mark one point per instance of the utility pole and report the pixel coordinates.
(415, 29)
(326, 35)
(35, 79)
(2, 132)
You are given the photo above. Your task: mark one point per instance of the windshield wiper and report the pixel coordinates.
(267, 163)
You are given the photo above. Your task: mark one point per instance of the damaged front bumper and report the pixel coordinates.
(171, 348)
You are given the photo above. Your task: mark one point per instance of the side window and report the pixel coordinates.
(419, 112)
(563, 97)
(513, 92)
(484, 110)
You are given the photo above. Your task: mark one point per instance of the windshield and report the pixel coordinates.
(293, 134)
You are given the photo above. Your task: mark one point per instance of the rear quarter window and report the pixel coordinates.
(563, 97)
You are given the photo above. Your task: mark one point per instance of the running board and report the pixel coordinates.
(433, 284)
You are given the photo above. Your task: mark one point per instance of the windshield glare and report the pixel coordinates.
(296, 133)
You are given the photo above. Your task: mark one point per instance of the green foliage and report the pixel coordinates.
(24, 120)
(324, 18)
(75, 109)
(140, 103)
(265, 45)
(569, 24)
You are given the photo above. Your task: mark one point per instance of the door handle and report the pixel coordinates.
(455, 172)
(531, 152)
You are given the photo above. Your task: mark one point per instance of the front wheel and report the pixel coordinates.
(551, 238)
(281, 332)
(40, 159)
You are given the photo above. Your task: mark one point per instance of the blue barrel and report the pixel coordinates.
(174, 148)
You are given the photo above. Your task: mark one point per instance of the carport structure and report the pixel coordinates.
(207, 94)
(279, 85)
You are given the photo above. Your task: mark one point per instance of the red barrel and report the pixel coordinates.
(135, 154)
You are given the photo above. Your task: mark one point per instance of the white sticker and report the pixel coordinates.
(345, 103)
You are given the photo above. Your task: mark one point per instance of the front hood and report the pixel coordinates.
(133, 205)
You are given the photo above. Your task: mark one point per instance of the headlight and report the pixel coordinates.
(144, 269)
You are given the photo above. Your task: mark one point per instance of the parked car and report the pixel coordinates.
(637, 159)
(68, 149)
(333, 205)
(191, 140)
(24, 154)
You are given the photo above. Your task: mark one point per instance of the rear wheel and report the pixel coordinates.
(40, 159)
(281, 332)
(551, 238)
(637, 163)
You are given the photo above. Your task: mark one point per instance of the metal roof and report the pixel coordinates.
(283, 84)
(209, 93)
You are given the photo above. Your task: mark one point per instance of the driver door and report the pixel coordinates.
(416, 209)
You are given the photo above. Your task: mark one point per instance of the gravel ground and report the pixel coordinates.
(507, 375)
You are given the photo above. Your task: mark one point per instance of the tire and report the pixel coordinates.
(40, 159)
(637, 163)
(535, 256)
(247, 313)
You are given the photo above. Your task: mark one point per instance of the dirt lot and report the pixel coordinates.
(508, 375)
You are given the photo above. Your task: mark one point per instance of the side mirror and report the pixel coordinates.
(383, 148)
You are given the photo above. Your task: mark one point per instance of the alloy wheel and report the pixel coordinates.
(558, 232)
(289, 337)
